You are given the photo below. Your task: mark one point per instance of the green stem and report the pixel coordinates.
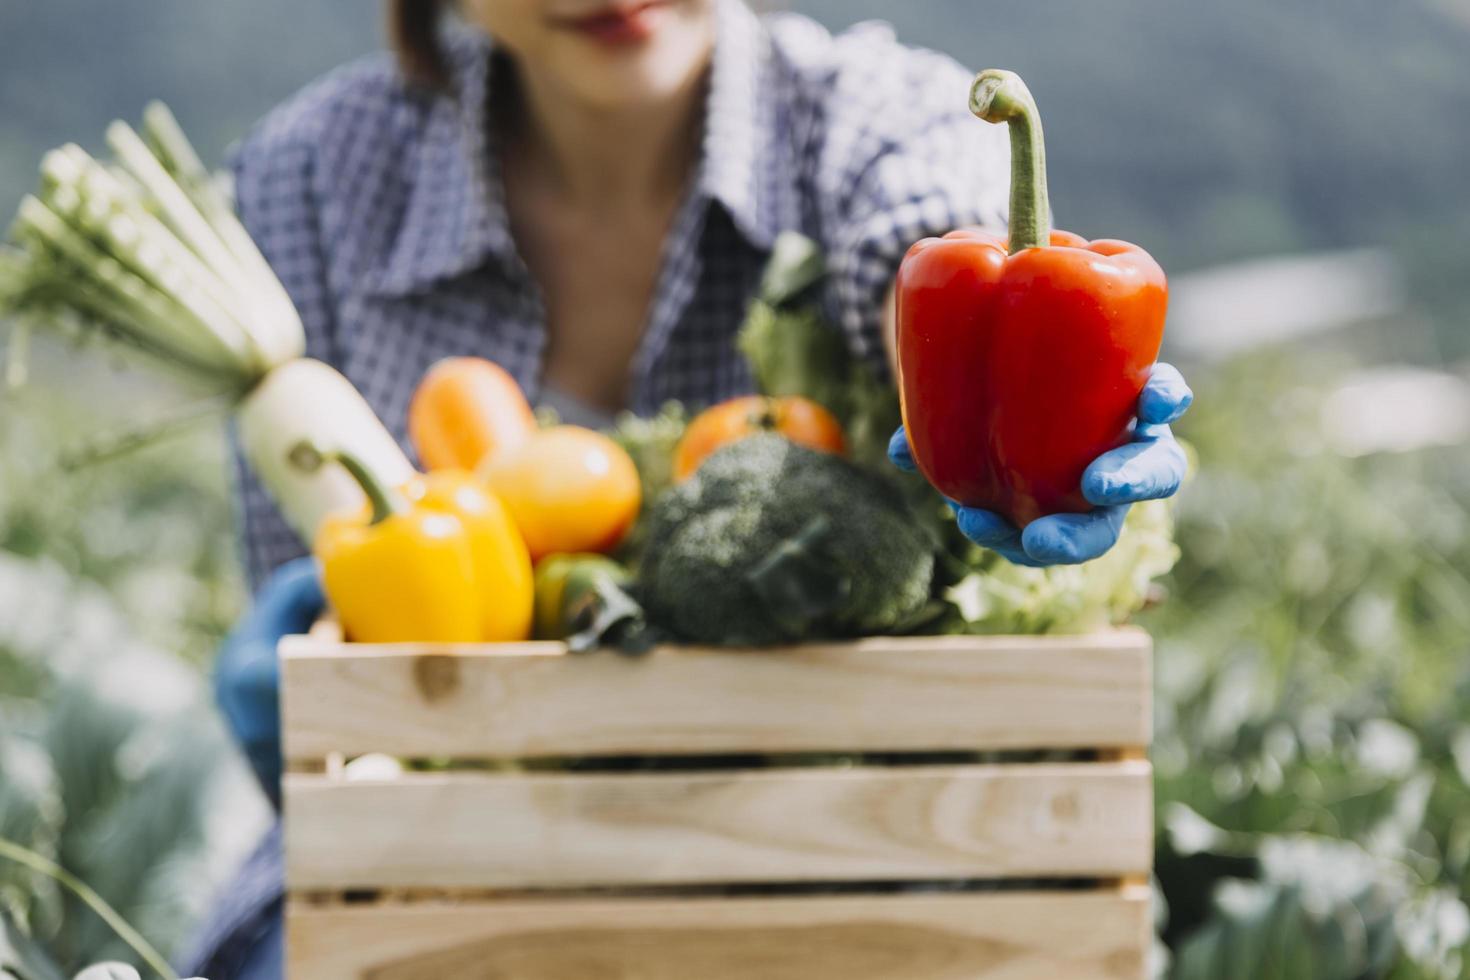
(1000, 96)
(146, 952)
(385, 501)
(764, 418)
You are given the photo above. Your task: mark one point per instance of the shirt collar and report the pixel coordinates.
(456, 218)
(745, 165)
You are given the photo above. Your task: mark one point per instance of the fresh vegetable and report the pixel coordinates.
(651, 442)
(305, 399)
(503, 576)
(793, 352)
(466, 408)
(999, 597)
(1017, 371)
(398, 573)
(799, 419)
(569, 489)
(147, 252)
(771, 542)
(583, 599)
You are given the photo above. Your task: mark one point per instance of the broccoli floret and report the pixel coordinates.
(770, 542)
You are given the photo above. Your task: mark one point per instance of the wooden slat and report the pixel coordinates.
(889, 694)
(984, 936)
(813, 824)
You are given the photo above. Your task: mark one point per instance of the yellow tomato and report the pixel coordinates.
(568, 489)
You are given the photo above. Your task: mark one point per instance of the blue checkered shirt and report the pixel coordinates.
(382, 210)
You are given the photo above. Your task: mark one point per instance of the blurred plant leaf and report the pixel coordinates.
(21, 958)
(126, 779)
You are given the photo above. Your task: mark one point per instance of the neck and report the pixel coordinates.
(602, 159)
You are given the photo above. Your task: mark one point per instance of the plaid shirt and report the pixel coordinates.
(382, 210)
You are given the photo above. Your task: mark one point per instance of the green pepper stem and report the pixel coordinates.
(1000, 96)
(385, 501)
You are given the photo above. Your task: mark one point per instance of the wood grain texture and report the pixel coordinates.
(882, 694)
(987, 936)
(811, 824)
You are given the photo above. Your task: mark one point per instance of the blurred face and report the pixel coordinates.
(607, 53)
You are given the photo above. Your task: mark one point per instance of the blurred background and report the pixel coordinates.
(1302, 169)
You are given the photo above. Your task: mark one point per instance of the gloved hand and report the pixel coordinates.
(1149, 467)
(247, 674)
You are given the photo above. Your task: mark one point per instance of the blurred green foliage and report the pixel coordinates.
(151, 528)
(115, 584)
(1312, 734)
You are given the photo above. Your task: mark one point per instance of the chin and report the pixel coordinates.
(629, 75)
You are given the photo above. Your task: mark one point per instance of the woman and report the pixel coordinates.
(586, 191)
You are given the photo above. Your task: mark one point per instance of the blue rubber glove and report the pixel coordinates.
(247, 676)
(1148, 468)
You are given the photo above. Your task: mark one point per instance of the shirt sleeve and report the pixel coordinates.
(909, 161)
(275, 195)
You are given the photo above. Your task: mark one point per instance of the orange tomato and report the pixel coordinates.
(465, 409)
(801, 420)
(568, 489)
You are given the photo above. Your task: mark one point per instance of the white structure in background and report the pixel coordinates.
(1395, 409)
(1229, 309)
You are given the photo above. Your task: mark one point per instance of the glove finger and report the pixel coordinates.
(990, 530)
(1145, 469)
(899, 453)
(1070, 539)
(291, 601)
(1165, 397)
(986, 528)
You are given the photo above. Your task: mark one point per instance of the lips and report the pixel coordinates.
(616, 25)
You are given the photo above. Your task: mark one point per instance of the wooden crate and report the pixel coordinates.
(918, 862)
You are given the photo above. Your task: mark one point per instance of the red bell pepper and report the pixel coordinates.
(1018, 367)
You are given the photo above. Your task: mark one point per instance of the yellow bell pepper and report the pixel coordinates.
(438, 561)
(503, 575)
